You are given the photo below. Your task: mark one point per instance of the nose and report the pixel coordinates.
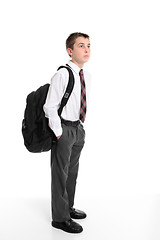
(86, 49)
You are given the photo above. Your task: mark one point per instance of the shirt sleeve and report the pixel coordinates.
(53, 100)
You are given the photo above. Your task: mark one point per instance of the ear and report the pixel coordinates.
(69, 51)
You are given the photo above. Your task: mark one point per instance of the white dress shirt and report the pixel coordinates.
(56, 91)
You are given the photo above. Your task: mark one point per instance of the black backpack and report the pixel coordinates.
(37, 135)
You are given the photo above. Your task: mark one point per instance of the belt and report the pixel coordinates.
(70, 123)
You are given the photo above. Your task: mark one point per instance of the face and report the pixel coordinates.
(81, 51)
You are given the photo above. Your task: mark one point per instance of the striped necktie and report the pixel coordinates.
(83, 97)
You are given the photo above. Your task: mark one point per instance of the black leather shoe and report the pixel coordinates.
(68, 226)
(77, 214)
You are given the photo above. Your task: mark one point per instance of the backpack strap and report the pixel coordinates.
(68, 89)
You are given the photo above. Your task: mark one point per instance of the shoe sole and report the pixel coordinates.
(73, 217)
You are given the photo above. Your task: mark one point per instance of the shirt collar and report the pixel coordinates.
(74, 67)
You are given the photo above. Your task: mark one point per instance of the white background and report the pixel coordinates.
(121, 158)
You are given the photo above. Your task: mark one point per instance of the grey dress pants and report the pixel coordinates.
(64, 170)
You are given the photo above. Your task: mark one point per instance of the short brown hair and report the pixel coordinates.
(72, 39)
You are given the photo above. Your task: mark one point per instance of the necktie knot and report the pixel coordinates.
(81, 73)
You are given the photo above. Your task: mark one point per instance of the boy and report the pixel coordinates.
(69, 132)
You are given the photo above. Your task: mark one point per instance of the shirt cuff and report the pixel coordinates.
(58, 132)
(56, 128)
